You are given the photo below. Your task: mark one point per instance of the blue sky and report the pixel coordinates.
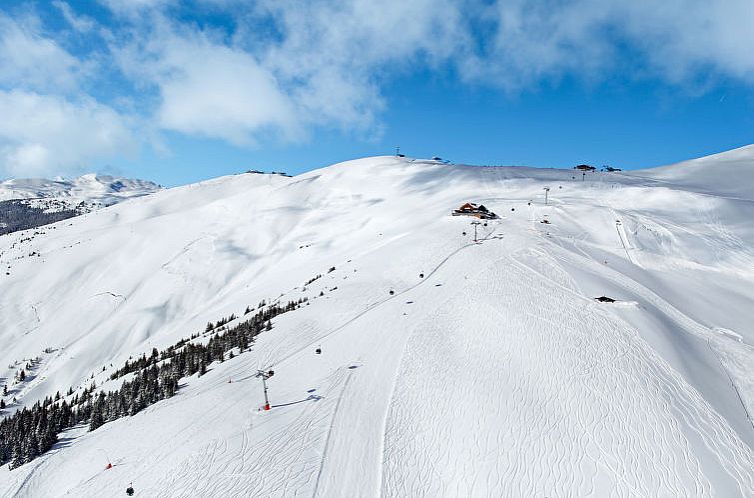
(181, 91)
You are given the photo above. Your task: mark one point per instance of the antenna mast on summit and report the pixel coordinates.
(398, 150)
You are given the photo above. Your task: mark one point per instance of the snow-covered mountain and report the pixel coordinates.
(92, 188)
(446, 366)
(29, 203)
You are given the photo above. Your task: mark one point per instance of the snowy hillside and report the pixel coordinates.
(728, 173)
(447, 366)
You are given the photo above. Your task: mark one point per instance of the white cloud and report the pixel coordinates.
(682, 39)
(203, 86)
(48, 123)
(676, 41)
(333, 55)
(216, 91)
(42, 134)
(30, 60)
(223, 95)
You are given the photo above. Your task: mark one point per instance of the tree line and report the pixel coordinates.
(30, 432)
(19, 214)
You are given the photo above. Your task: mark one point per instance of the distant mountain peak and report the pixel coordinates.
(32, 202)
(91, 187)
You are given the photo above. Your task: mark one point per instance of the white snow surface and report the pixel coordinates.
(496, 374)
(724, 174)
(90, 188)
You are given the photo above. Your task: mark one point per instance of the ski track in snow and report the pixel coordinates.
(329, 433)
(734, 350)
(614, 451)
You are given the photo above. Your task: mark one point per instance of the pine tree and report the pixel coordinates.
(98, 417)
(32, 447)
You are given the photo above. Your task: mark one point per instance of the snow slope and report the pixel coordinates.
(728, 173)
(489, 371)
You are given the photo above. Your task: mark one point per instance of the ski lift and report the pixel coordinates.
(130, 489)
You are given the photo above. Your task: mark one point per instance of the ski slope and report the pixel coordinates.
(490, 370)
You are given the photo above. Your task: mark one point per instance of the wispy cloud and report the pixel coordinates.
(80, 23)
(679, 42)
(28, 59)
